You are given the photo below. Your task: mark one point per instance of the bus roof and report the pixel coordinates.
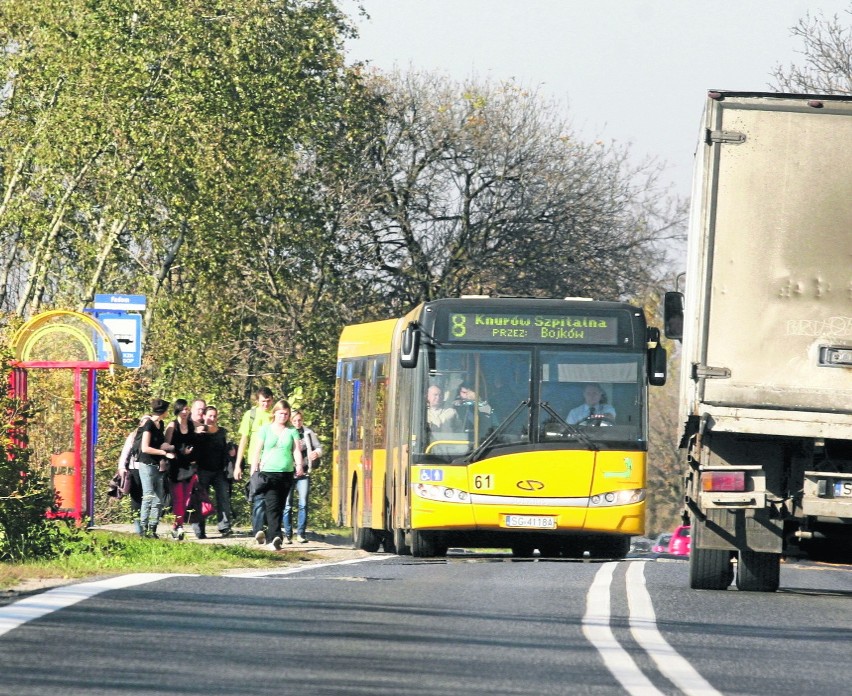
(373, 338)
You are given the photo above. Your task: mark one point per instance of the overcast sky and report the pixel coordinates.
(634, 71)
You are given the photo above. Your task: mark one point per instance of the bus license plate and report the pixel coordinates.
(530, 522)
(843, 489)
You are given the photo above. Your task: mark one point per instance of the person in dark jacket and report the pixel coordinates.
(212, 460)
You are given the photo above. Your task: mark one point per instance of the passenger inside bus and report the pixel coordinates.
(594, 410)
(441, 417)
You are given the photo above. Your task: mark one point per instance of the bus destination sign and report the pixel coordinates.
(513, 327)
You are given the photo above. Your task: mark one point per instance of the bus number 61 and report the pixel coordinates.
(483, 482)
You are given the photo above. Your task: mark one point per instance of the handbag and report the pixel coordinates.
(124, 483)
(119, 486)
(184, 473)
(258, 484)
(199, 503)
(207, 507)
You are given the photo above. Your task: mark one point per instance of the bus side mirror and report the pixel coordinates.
(673, 315)
(410, 350)
(657, 359)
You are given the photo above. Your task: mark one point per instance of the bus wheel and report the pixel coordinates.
(402, 548)
(616, 547)
(364, 538)
(523, 549)
(758, 572)
(710, 569)
(425, 544)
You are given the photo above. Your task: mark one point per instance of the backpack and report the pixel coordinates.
(132, 445)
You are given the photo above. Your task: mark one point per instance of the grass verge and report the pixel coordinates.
(106, 553)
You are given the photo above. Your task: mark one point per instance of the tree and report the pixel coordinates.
(482, 187)
(827, 52)
(137, 141)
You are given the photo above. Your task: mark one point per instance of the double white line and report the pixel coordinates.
(643, 627)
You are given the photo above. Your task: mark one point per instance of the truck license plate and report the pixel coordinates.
(530, 521)
(843, 489)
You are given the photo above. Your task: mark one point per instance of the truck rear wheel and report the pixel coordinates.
(710, 569)
(758, 572)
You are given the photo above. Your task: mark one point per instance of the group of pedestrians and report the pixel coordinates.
(183, 458)
(279, 452)
(191, 453)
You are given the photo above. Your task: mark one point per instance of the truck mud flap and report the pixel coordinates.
(728, 530)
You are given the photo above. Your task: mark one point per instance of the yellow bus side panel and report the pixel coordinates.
(337, 510)
(370, 474)
(353, 468)
(377, 492)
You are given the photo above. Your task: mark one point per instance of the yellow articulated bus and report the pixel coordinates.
(496, 422)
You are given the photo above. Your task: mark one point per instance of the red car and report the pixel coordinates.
(661, 544)
(681, 541)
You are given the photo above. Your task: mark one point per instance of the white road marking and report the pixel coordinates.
(24, 610)
(303, 568)
(643, 626)
(597, 630)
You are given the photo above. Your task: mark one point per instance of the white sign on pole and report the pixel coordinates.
(127, 329)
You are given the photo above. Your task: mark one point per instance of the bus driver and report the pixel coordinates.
(594, 410)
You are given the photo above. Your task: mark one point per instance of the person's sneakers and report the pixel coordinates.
(260, 537)
(225, 533)
(288, 540)
(301, 539)
(152, 533)
(178, 533)
(276, 543)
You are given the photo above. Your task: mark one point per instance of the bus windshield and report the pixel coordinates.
(479, 401)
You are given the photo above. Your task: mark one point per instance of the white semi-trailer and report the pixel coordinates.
(766, 326)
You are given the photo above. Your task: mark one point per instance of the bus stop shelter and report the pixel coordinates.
(79, 345)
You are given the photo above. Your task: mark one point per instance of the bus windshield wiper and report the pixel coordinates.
(488, 441)
(572, 429)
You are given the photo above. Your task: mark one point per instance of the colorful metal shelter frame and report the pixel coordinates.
(63, 339)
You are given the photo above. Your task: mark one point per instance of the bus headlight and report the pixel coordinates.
(636, 495)
(441, 493)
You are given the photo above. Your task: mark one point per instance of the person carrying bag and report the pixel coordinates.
(276, 458)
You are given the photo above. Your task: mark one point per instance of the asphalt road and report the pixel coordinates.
(468, 624)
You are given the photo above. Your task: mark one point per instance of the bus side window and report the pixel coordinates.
(381, 386)
(359, 401)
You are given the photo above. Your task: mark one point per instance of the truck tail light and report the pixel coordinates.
(723, 481)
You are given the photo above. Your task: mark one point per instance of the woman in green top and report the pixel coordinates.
(277, 455)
